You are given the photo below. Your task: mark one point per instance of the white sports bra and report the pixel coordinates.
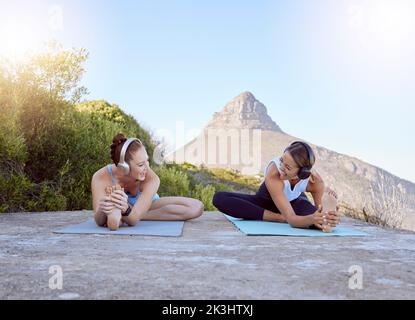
(300, 187)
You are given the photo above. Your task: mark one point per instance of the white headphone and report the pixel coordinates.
(122, 165)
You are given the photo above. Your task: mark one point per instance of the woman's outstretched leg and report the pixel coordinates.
(244, 206)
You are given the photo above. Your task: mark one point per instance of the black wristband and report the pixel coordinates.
(127, 212)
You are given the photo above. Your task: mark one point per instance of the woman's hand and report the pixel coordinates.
(318, 218)
(105, 205)
(119, 200)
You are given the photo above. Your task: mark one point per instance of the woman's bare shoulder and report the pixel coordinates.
(101, 175)
(274, 175)
(315, 177)
(315, 182)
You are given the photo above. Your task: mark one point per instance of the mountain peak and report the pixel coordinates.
(244, 112)
(246, 95)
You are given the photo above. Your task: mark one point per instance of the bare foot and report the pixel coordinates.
(329, 203)
(114, 218)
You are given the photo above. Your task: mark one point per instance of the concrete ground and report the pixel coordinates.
(212, 260)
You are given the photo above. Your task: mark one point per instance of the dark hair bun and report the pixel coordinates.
(115, 146)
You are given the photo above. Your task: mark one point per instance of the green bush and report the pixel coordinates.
(204, 194)
(104, 112)
(18, 194)
(13, 151)
(173, 182)
(235, 177)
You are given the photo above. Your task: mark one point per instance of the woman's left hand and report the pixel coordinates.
(120, 200)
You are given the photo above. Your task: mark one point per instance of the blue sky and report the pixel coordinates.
(340, 74)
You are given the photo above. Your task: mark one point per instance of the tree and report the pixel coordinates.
(57, 71)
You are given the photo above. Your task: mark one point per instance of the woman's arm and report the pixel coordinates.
(316, 187)
(149, 189)
(275, 187)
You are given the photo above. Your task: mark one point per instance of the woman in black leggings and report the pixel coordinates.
(281, 196)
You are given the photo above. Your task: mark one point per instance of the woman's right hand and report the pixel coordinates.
(318, 218)
(106, 205)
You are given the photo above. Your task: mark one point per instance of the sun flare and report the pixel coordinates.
(383, 26)
(18, 40)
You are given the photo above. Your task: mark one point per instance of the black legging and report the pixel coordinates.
(251, 207)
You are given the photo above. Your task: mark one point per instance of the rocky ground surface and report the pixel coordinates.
(211, 260)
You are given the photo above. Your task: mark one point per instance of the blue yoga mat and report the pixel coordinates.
(147, 228)
(265, 228)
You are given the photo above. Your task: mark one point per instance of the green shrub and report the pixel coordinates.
(13, 151)
(173, 182)
(223, 187)
(204, 194)
(235, 177)
(18, 194)
(101, 110)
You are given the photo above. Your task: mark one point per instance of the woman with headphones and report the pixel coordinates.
(281, 197)
(126, 191)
